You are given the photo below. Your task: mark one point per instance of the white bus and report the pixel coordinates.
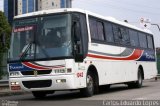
(70, 49)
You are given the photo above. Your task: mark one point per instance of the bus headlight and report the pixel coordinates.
(61, 81)
(14, 74)
(14, 83)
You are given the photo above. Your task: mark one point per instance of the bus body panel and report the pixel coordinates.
(114, 63)
(120, 69)
(75, 79)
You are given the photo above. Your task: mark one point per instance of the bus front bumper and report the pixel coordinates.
(43, 83)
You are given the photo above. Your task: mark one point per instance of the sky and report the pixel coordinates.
(131, 10)
(1, 5)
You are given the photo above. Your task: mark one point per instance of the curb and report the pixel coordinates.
(7, 92)
(10, 94)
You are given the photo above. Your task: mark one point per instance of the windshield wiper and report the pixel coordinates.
(23, 54)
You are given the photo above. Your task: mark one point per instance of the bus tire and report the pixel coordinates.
(139, 82)
(39, 94)
(89, 90)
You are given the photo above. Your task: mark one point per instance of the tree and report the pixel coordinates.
(5, 29)
(158, 59)
(158, 50)
(5, 32)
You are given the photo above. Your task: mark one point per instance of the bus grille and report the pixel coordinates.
(37, 83)
(40, 72)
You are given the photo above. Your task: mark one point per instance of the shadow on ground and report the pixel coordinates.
(60, 96)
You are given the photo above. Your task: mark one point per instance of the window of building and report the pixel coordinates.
(30, 5)
(134, 40)
(142, 40)
(24, 6)
(52, 3)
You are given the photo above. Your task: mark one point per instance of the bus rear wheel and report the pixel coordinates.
(139, 82)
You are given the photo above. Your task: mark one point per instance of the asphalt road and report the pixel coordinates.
(149, 91)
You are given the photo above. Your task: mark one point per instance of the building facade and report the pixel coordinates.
(10, 9)
(48, 4)
(26, 6)
(17, 7)
(53, 4)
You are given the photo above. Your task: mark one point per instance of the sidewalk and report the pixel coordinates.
(5, 91)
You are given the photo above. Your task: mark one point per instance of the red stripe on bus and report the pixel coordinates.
(57, 66)
(34, 66)
(136, 55)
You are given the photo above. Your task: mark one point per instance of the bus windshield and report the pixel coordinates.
(45, 37)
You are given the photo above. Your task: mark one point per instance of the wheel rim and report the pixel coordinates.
(90, 83)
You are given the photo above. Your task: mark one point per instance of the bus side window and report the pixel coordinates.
(134, 41)
(97, 29)
(109, 32)
(117, 34)
(125, 36)
(93, 28)
(150, 42)
(142, 40)
(100, 30)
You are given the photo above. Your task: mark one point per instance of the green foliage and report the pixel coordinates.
(1, 71)
(5, 28)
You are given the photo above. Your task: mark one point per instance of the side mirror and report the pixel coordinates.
(77, 31)
(78, 51)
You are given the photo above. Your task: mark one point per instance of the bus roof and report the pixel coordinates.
(43, 12)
